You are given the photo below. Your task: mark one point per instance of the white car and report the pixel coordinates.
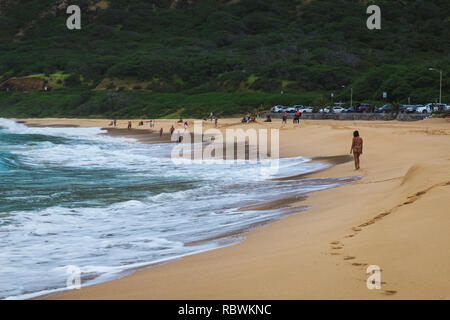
(338, 109)
(278, 109)
(429, 108)
(291, 109)
(424, 109)
(324, 110)
(306, 109)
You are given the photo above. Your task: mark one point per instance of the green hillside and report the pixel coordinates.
(157, 58)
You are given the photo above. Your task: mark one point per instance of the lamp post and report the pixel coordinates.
(351, 96)
(440, 83)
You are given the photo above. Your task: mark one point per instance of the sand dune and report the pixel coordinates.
(397, 216)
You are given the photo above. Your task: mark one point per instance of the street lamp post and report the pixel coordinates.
(440, 83)
(351, 96)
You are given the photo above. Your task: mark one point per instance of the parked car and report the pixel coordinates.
(412, 108)
(349, 110)
(291, 109)
(407, 108)
(307, 109)
(338, 109)
(424, 109)
(387, 108)
(278, 109)
(430, 107)
(365, 107)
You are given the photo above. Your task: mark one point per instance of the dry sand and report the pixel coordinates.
(397, 217)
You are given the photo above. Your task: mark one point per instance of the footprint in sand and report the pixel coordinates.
(389, 292)
(365, 224)
(356, 229)
(357, 264)
(335, 242)
(349, 258)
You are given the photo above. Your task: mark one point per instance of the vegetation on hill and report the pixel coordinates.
(164, 57)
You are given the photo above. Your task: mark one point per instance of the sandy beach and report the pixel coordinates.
(396, 216)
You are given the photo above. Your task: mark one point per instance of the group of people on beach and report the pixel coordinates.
(249, 118)
(212, 118)
(297, 117)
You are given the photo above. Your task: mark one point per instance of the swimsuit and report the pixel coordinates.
(357, 149)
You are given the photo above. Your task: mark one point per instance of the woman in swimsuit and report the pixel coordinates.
(357, 148)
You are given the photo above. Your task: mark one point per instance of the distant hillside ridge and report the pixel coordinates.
(315, 48)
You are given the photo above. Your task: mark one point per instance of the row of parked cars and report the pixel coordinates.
(363, 107)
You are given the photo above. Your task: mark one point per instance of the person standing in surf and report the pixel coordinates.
(357, 148)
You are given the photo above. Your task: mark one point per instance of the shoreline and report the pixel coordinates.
(322, 253)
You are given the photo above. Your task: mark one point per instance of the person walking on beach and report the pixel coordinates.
(357, 148)
(297, 117)
(160, 132)
(285, 118)
(129, 125)
(215, 122)
(172, 129)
